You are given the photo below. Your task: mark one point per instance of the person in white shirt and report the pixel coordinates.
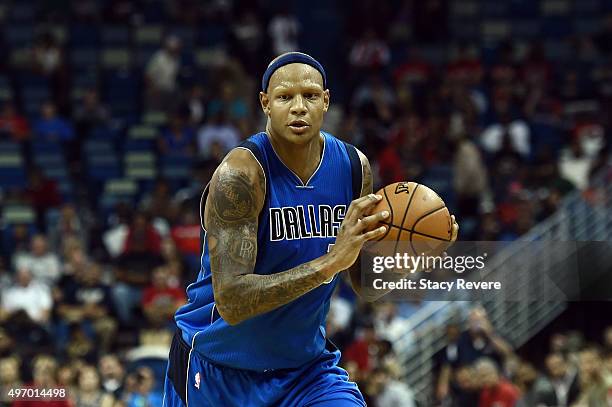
(162, 72)
(43, 264)
(29, 296)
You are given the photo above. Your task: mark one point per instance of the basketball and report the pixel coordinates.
(418, 217)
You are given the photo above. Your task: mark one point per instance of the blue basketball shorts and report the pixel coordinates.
(194, 381)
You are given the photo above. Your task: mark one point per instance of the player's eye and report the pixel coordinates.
(310, 95)
(283, 97)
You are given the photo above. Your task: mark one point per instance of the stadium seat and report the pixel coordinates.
(148, 35)
(18, 214)
(9, 147)
(153, 118)
(555, 7)
(84, 59)
(103, 167)
(12, 172)
(116, 58)
(212, 35)
(464, 9)
(495, 30)
(115, 36)
(142, 132)
(84, 36)
(19, 35)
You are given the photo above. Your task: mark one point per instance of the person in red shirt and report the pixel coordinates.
(159, 300)
(496, 391)
(12, 124)
(359, 350)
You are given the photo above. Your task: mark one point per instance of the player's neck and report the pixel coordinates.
(303, 160)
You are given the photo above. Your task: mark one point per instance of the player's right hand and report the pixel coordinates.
(357, 228)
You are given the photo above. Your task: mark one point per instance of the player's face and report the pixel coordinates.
(295, 103)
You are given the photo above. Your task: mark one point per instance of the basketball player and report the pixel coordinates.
(284, 213)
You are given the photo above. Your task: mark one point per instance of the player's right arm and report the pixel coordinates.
(236, 196)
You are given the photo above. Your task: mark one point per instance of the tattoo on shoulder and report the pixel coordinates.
(234, 197)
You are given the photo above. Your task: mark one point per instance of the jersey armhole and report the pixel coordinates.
(356, 169)
(256, 153)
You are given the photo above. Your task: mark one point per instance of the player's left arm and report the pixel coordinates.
(367, 185)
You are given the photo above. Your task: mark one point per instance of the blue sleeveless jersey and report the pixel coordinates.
(297, 224)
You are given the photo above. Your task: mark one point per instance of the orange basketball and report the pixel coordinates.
(419, 220)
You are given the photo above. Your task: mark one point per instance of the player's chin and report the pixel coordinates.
(300, 134)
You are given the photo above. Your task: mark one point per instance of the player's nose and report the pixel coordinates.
(298, 106)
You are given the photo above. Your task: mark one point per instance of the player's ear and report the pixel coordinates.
(264, 100)
(325, 100)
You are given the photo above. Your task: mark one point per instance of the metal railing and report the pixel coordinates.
(580, 218)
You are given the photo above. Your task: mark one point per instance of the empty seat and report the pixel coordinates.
(117, 36)
(116, 58)
(148, 35)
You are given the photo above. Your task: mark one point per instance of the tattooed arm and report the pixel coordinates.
(236, 196)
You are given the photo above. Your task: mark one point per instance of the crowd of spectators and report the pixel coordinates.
(478, 368)
(503, 135)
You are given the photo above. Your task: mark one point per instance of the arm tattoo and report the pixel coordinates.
(234, 202)
(366, 173)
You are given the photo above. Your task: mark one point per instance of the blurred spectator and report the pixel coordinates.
(29, 296)
(496, 391)
(50, 127)
(195, 104)
(140, 255)
(143, 393)
(448, 359)
(159, 300)
(387, 391)
(284, 29)
(470, 179)
(161, 74)
(42, 263)
(388, 323)
(506, 135)
(10, 377)
(12, 124)
(564, 380)
(359, 350)
(374, 99)
(44, 371)
(480, 340)
(112, 375)
(232, 105)
(186, 232)
(535, 389)
(68, 227)
(217, 131)
(595, 380)
(178, 138)
(369, 52)
(87, 301)
(42, 193)
(89, 393)
(90, 113)
(466, 388)
(47, 54)
(248, 35)
(159, 203)
(574, 165)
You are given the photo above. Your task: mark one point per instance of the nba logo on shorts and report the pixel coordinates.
(197, 380)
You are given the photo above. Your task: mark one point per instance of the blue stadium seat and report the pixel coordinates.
(588, 8)
(556, 27)
(22, 12)
(84, 36)
(526, 29)
(115, 36)
(103, 167)
(10, 147)
(84, 59)
(212, 35)
(40, 147)
(19, 35)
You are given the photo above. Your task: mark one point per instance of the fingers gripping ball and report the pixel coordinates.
(419, 221)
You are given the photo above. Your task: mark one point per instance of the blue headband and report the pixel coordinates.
(292, 58)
